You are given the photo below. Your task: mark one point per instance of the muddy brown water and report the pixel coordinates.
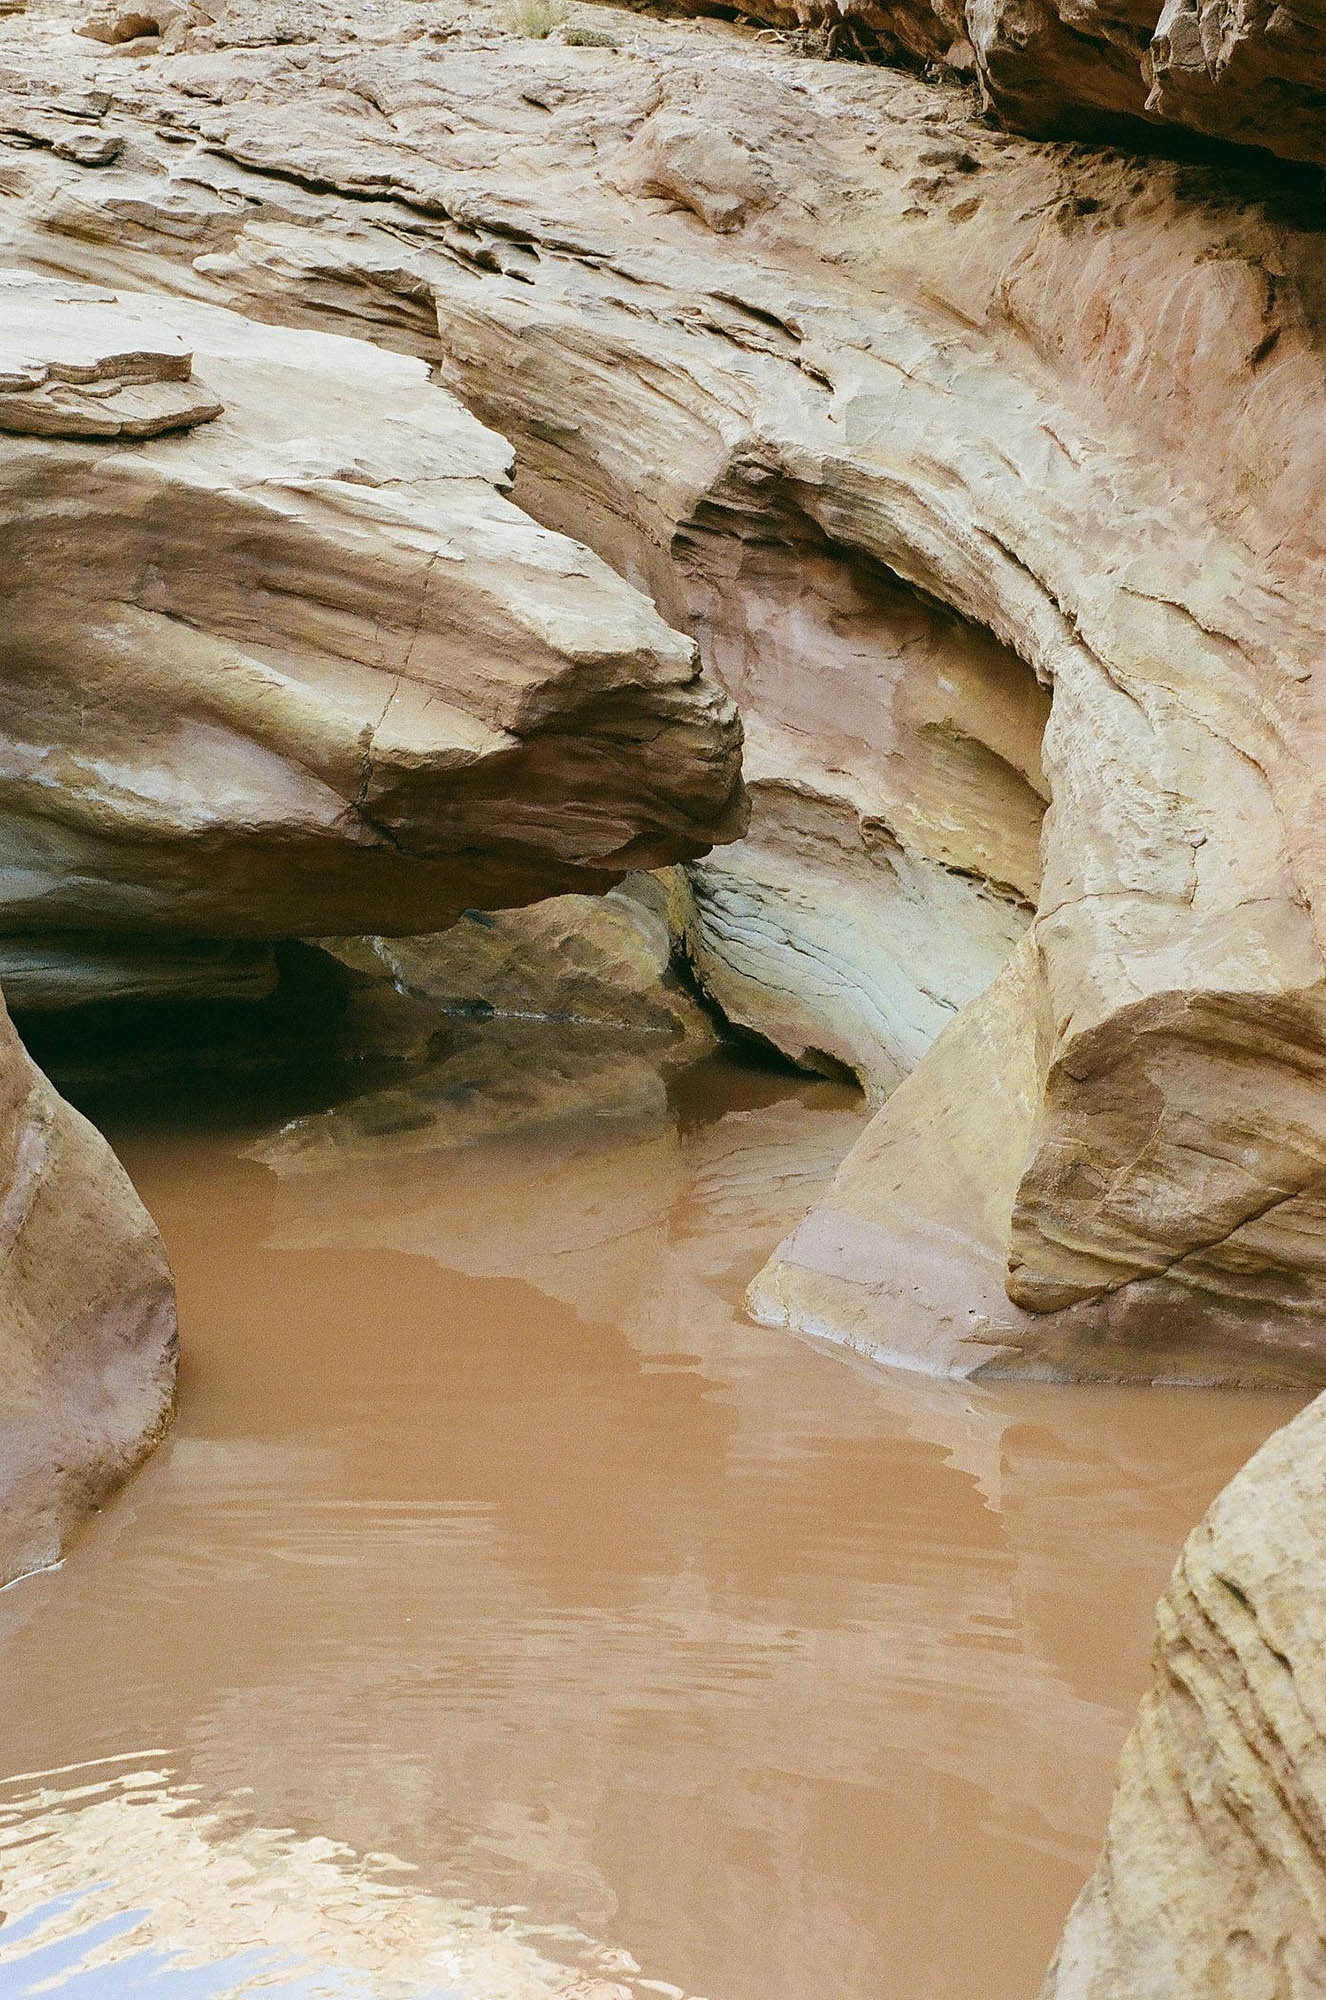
(506, 1616)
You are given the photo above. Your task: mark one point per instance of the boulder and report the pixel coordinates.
(87, 1319)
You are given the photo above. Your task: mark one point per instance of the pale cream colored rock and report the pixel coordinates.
(120, 24)
(893, 764)
(1213, 1875)
(718, 176)
(87, 1318)
(834, 943)
(904, 1259)
(306, 668)
(76, 364)
(900, 1259)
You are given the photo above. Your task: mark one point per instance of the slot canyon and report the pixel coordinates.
(663, 1046)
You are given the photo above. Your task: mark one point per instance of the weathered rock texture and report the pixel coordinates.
(893, 745)
(87, 1318)
(911, 1257)
(1254, 76)
(588, 961)
(923, 432)
(1213, 1876)
(301, 666)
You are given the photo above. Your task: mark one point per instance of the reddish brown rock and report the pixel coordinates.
(1121, 72)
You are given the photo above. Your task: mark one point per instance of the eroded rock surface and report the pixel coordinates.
(58, 971)
(1213, 1876)
(303, 667)
(893, 746)
(77, 364)
(922, 431)
(1253, 76)
(87, 1318)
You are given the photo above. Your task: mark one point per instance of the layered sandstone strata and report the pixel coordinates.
(87, 1318)
(1213, 1876)
(279, 656)
(923, 432)
(674, 422)
(1148, 71)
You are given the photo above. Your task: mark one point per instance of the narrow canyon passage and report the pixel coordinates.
(663, 830)
(506, 1616)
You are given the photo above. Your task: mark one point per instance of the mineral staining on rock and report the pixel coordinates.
(1256, 76)
(87, 1318)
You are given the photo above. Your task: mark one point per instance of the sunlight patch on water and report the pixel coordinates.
(125, 1888)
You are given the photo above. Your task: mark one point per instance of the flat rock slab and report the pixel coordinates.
(75, 363)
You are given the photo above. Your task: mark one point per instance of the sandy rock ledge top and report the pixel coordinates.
(74, 363)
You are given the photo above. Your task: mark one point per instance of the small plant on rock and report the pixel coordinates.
(536, 19)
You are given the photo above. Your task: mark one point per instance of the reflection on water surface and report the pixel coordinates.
(509, 1617)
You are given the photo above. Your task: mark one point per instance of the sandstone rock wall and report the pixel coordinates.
(299, 665)
(1133, 70)
(921, 430)
(1213, 1876)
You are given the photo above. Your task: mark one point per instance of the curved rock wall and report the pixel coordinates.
(987, 476)
(921, 430)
